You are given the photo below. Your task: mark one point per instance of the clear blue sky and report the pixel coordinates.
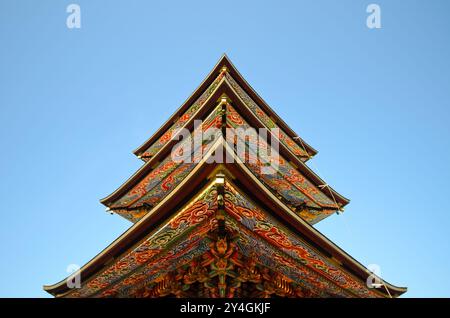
(75, 103)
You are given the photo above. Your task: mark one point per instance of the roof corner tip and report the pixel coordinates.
(224, 58)
(47, 288)
(105, 201)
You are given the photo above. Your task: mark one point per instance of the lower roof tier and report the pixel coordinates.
(220, 243)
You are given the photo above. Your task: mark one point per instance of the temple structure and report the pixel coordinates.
(240, 227)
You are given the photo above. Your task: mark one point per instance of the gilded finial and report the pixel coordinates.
(224, 99)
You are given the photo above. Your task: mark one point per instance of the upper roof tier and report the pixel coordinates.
(197, 101)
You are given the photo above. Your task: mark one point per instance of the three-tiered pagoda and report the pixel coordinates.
(206, 227)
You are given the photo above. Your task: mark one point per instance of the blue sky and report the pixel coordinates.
(74, 103)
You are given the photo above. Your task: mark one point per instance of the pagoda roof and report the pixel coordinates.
(174, 232)
(199, 94)
(224, 87)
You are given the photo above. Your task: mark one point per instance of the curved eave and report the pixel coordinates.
(224, 87)
(316, 239)
(303, 168)
(148, 223)
(303, 227)
(224, 61)
(139, 229)
(258, 99)
(148, 165)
